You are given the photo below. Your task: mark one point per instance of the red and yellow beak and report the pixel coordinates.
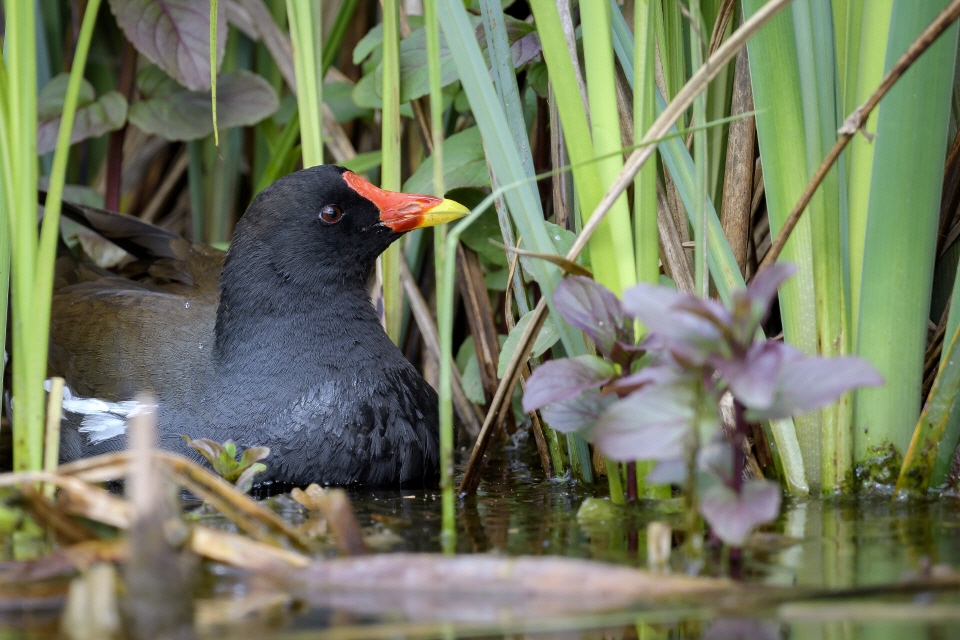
(406, 211)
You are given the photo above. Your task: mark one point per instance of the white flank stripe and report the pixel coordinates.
(102, 420)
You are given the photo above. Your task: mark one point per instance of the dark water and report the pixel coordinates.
(852, 545)
(818, 544)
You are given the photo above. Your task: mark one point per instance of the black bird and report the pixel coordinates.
(287, 352)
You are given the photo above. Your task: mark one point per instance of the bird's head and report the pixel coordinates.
(327, 225)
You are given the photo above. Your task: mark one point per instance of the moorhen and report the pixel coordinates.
(288, 352)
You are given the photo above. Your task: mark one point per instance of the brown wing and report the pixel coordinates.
(153, 322)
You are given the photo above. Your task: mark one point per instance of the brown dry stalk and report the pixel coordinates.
(856, 120)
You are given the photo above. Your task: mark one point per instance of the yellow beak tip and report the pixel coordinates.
(446, 211)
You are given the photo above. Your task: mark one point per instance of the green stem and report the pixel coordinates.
(432, 29)
(50, 228)
(390, 169)
(305, 31)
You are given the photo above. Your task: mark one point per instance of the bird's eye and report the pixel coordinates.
(331, 214)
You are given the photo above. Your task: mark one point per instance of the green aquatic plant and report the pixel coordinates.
(660, 399)
(223, 459)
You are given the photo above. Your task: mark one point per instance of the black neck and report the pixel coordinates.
(273, 319)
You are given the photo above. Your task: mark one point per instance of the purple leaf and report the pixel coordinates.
(94, 116)
(559, 380)
(752, 305)
(651, 424)
(173, 113)
(763, 288)
(753, 378)
(524, 49)
(733, 516)
(578, 413)
(174, 35)
(687, 326)
(807, 383)
(650, 374)
(668, 472)
(715, 459)
(205, 447)
(590, 306)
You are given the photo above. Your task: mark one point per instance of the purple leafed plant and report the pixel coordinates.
(661, 400)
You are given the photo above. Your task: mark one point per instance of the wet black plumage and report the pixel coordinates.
(288, 353)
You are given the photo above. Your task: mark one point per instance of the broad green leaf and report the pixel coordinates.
(366, 95)
(470, 378)
(339, 97)
(173, 113)
(363, 162)
(464, 165)
(94, 117)
(368, 43)
(547, 337)
(480, 233)
(50, 98)
(174, 35)
(561, 239)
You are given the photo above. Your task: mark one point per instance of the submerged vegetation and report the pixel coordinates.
(631, 166)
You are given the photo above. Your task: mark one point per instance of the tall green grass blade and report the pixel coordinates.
(305, 32)
(431, 26)
(213, 70)
(341, 24)
(580, 146)
(646, 240)
(505, 81)
(646, 235)
(864, 73)
(33, 262)
(951, 436)
(672, 46)
(701, 276)
(813, 31)
(390, 167)
(20, 124)
(277, 161)
(723, 266)
(503, 155)
(223, 178)
(902, 222)
(922, 458)
(605, 126)
(7, 204)
(774, 71)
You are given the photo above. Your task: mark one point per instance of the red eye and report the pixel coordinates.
(331, 214)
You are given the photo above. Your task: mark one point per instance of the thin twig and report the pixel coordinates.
(856, 121)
